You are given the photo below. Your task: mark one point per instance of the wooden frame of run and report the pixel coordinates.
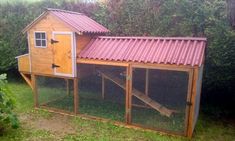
(188, 110)
(193, 75)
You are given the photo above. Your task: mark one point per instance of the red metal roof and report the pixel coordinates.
(77, 21)
(160, 50)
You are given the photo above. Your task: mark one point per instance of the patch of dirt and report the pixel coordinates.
(58, 124)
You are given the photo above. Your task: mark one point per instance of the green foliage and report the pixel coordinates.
(7, 117)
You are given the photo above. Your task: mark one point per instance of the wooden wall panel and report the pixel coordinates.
(198, 96)
(23, 63)
(82, 41)
(195, 100)
(42, 58)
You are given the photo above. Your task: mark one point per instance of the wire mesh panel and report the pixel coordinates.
(102, 91)
(56, 93)
(159, 99)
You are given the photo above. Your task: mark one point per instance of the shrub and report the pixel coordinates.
(7, 116)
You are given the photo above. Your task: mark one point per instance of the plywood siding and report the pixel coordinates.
(23, 63)
(82, 41)
(198, 96)
(42, 58)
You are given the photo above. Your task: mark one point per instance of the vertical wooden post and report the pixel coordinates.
(75, 93)
(67, 87)
(103, 86)
(193, 74)
(128, 93)
(35, 90)
(147, 82)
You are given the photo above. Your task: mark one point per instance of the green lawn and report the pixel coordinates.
(84, 129)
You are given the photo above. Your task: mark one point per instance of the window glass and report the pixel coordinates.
(43, 36)
(37, 35)
(43, 42)
(40, 39)
(38, 43)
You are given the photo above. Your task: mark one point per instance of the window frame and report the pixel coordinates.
(40, 39)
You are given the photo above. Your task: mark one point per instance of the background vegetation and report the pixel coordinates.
(203, 18)
(7, 116)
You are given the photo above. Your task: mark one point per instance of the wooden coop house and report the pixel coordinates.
(149, 82)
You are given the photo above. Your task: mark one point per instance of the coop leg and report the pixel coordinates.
(67, 87)
(35, 90)
(75, 84)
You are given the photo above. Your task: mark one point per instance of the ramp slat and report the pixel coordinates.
(141, 96)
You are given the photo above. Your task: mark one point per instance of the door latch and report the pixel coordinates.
(54, 41)
(54, 66)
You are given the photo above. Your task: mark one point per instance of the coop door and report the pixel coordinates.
(63, 63)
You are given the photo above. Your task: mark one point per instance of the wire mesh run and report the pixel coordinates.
(56, 93)
(159, 99)
(158, 96)
(102, 91)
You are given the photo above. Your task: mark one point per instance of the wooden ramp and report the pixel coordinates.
(141, 96)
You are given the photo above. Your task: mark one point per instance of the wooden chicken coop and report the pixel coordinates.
(149, 82)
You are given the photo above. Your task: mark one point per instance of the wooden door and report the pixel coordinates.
(63, 53)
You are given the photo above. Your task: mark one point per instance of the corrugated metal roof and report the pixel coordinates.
(160, 50)
(77, 21)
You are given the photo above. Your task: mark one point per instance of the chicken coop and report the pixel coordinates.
(148, 82)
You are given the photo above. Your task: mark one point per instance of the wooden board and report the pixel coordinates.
(198, 96)
(27, 78)
(23, 63)
(81, 42)
(63, 53)
(141, 96)
(192, 101)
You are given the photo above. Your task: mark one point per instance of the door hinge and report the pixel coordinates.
(54, 41)
(54, 66)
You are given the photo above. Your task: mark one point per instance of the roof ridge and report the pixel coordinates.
(65, 11)
(153, 37)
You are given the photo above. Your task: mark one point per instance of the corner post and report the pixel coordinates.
(128, 93)
(75, 93)
(193, 76)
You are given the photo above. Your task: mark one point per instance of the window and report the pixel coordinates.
(40, 39)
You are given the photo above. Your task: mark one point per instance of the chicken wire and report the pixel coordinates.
(99, 93)
(164, 87)
(102, 93)
(56, 93)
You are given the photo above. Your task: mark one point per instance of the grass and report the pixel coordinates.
(116, 111)
(207, 128)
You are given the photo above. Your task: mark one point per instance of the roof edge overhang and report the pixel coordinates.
(137, 64)
(29, 26)
(35, 21)
(154, 37)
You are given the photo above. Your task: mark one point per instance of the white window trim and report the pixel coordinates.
(42, 39)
